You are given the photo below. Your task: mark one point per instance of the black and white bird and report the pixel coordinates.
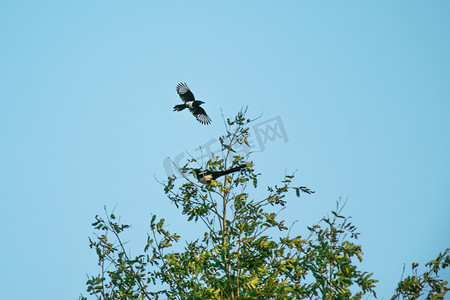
(189, 102)
(205, 176)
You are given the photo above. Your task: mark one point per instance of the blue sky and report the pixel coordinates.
(86, 96)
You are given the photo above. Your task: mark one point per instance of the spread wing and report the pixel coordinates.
(184, 92)
(200, 115)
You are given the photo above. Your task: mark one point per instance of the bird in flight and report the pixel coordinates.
(189, 102)
(205, 176)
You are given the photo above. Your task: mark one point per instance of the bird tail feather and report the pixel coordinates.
(179, 107)
(238, 168)
(235, 169)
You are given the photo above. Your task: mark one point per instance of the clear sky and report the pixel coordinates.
(86, 95)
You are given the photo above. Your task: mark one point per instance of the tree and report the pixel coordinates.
(237, 258)
(429, 283)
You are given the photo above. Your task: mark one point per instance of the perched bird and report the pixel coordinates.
(205, 176)
(189, 101)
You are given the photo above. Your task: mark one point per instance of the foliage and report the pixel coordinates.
(414, 286)
(238, 256)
